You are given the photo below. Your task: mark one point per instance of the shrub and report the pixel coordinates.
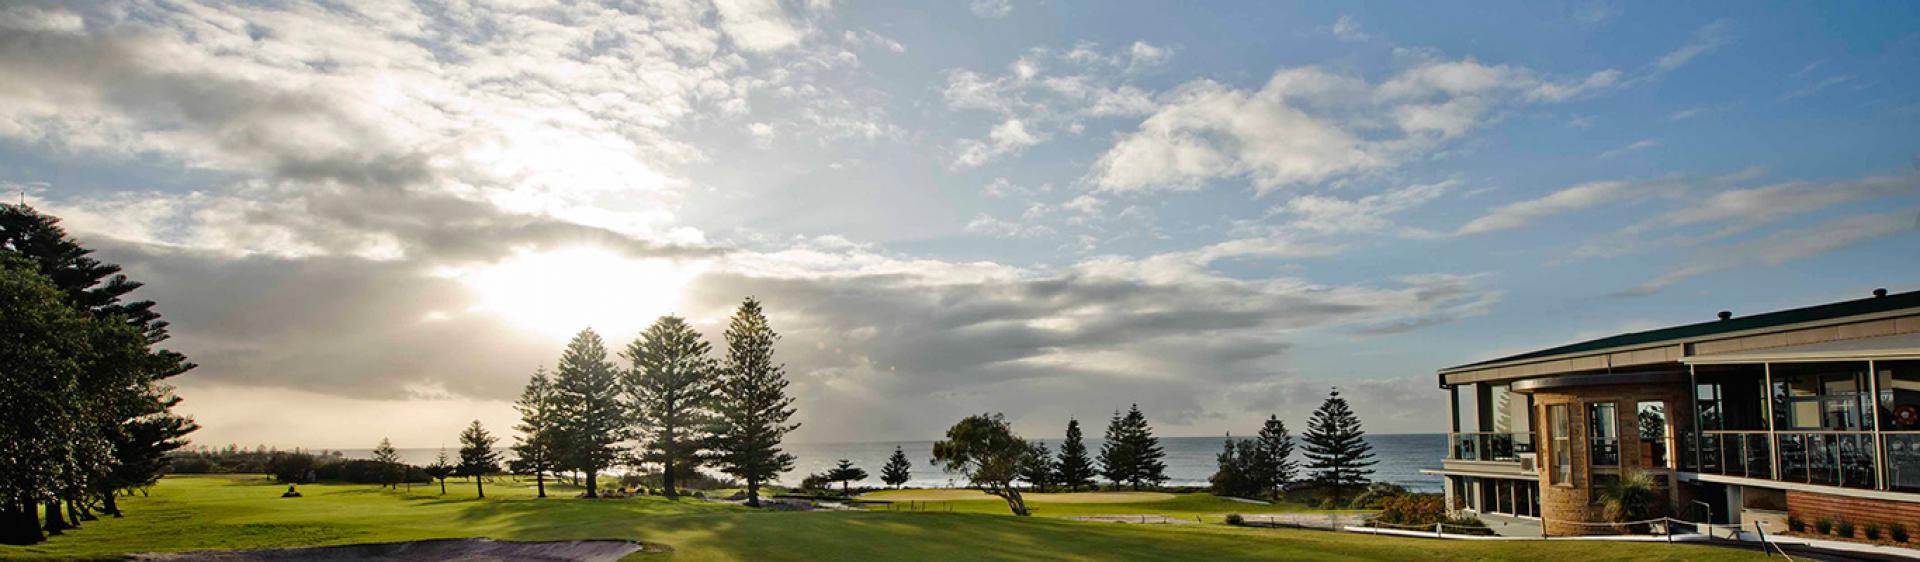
(1871, 531)
(1236, 520)
(1631, 497)
(1421, 509)
(363, 471)
(1377, 494)
(1795, 524)
(1467, 525)
(1843, 528)
(1823, 525)
(1897, 532)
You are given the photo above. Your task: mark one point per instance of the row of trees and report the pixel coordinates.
(87, 414)
(673, 407)
(1337, 453)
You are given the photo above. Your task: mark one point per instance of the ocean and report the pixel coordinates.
(1190, 460)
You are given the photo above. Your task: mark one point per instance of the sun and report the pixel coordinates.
(557, 292)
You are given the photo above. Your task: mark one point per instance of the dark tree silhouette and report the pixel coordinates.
(1039, 468)
(1337, 449)
(670, 391)
(1276, 467)
(844, 473)
(477, 457)
(1131, 454)
(752, 406)
(591, 420)
(441, 469)
(535, 449)
(389, 460)
(898, 469)
(1075, 467)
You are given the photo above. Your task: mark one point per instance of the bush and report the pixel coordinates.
(1897, 532)
(1843, 528)
(1823, 525)
(363, 471)
(1236, 520)
(1871, 530)
(1467, 525)
(1419, 509)
(1795, 524)
(1377, 494)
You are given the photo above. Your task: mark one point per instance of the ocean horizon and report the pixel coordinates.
(1190, 460)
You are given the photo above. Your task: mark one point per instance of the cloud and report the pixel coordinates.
(1308, 125)
(1009, 137)
(1046, 92)
(757, 25)
(1635, 146)
(1705, 40)
(1785, 246)
(1348, 29)
(1522, 213)
(1371, 213)
(991, 9)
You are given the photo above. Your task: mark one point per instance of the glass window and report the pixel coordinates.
(1900, 417)
(1821, 396)
(1562, 445)
(1651, 418)
(1466, 413)
(1603, 437)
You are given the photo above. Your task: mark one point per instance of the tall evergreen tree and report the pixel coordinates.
(1337, 449)
(477, 457)
(670, 392)
(535, 448)
(441, 469)
(844, 473)
(1276, 467)
(1131, 454)
(591, 420)
(898, 469)
(42, 334)
(752, 406)
(389, 460)
(1239, 469)
(1075, 467)
(1039, 468)
(125, 425)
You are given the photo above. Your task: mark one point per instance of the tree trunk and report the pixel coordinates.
(78, 510)
(753, 492)
(54, 523)
(540, 483)
(592, 480)
(112, 505)
(443, 486)
(479, 488)
(18, 525)
(666, 478)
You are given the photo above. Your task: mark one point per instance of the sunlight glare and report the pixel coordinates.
(556, 293)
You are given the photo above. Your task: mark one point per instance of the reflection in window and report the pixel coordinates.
(1562, 444)
(1900, 417)
(1651, 418)
(1603, 437)
(1822, 396)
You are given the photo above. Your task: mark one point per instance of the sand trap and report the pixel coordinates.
(475, 550)
(967, 495)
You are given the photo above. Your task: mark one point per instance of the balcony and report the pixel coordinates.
(1747, 454)
(1489, 446)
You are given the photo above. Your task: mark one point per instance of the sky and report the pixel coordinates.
(371, 220)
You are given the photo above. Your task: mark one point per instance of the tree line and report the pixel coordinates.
(88, 414)
(1337, 453)
(673, 407)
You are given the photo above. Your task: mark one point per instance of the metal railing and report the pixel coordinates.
(1830, 458)
(1489, 446)
(1736, 453)
(1903, 460)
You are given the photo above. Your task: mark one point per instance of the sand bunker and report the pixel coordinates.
(465, 550)
(967, 495)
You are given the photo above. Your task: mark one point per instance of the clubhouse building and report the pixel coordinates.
(1811, 412)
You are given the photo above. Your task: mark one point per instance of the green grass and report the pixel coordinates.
(1186, 506)
(219, 512)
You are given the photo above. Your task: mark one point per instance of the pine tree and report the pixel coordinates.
(1239, 469)
(845, 472)
(122, 425)
(477, 457)
(670, 392)
(441, 469)
(1039, 468)
(389, 460)
(1075, 467)
(1276, 467)
(591, 420)
(1337, 449)
(1131, 454)
(898, 469)
(40, 333)
(752, 406)
(534, 449)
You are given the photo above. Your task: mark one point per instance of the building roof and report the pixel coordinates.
(1898, 346)
(1842, 309)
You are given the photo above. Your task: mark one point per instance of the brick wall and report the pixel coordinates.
(1809, 507)
(1563, 504)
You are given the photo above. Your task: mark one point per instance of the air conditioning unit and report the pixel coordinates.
(1527, 462)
